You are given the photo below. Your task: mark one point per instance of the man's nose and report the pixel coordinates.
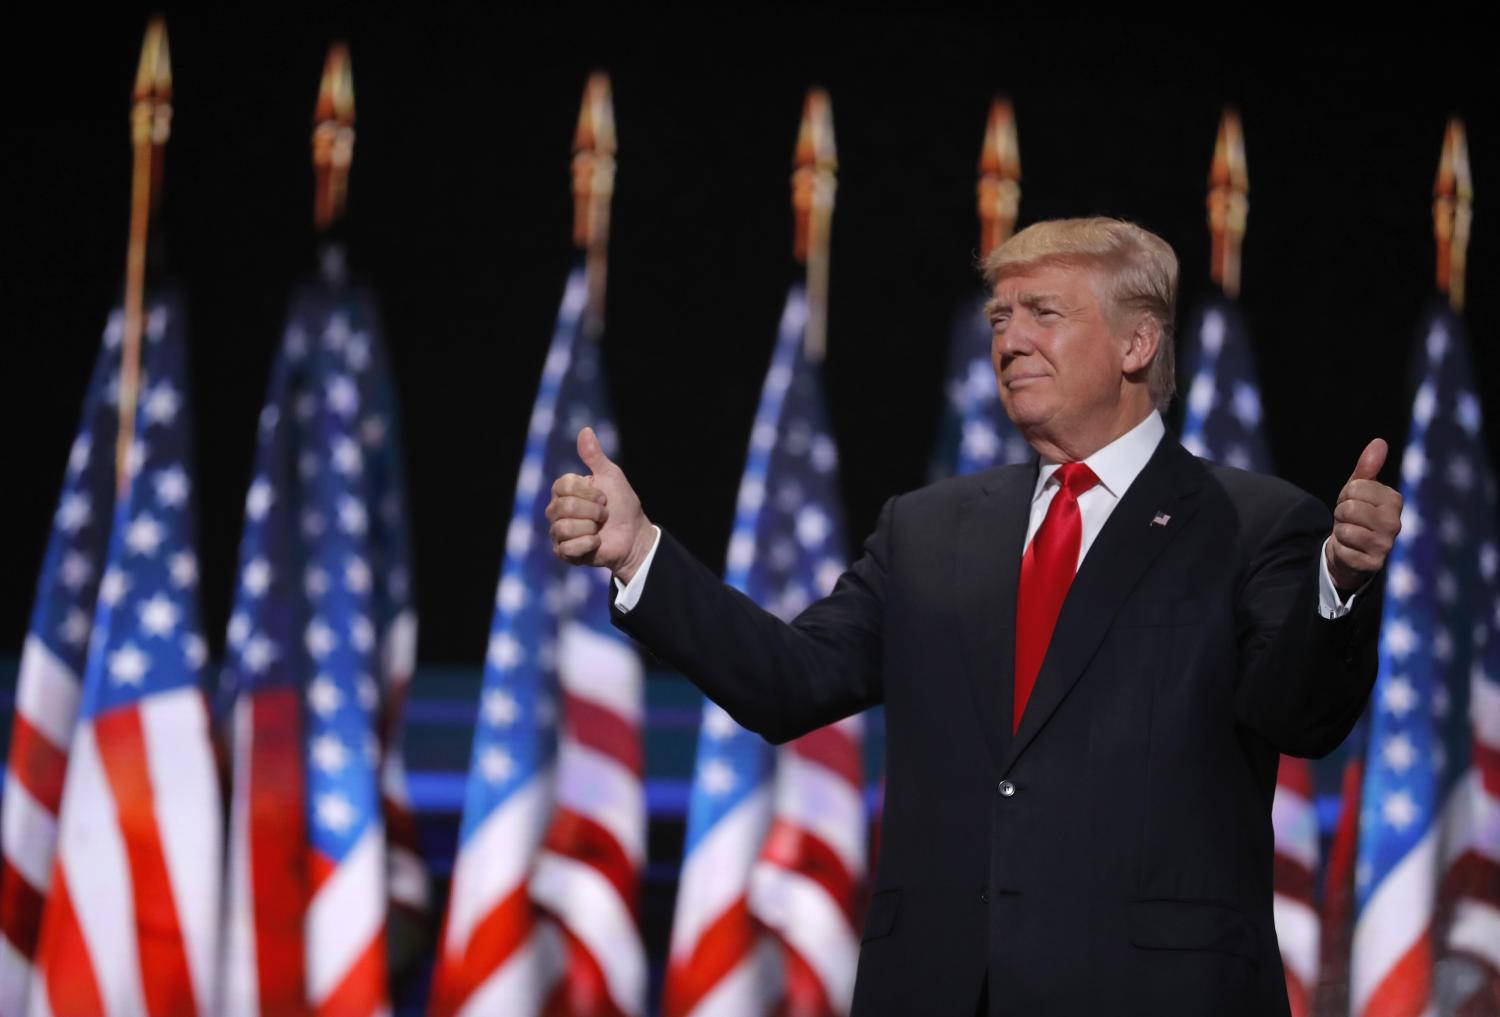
(1014, 340)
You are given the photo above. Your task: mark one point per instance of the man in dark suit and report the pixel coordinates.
(1089, 665)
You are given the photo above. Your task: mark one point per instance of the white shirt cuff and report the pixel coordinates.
(626, 596)
(1329, 604)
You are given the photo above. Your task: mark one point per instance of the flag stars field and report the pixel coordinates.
(323, 696)
(518, 536)
(353, 519)
(73, 512)
(343, 397)
(1399, 753)
(1467, 412)
(717, 778)
(321, 640)
(255, 577)
(368, 693)
(511, 595)
(1399, 810)
(144, 535)
(496, 765)
(1400, 639)
(500, 708)
(1402, 581)
(717, 724)
(258, 654)
(329, 754)
(74, 629)
(194, 651)
(75, 570)
(128, 665)
(159, 615)
(505, 651)
(362, 634)
(113, 587)
(1398, 698)
(313, 524)
(162, 403)
(357, 576)
(259, 498)
(347, 458)
(335, 813)
(78, 454)
(171, 487)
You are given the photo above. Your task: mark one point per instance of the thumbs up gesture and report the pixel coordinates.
(597, 520)
(1366, 520)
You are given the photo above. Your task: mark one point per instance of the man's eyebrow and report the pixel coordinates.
(995, 304)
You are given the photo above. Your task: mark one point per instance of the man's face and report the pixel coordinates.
(1058, 359)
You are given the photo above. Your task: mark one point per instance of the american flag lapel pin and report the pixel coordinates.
(1160, 519)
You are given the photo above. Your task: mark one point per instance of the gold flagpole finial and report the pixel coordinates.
(813, 186)
(333, 137)
(1452, 213)
(1228, 202)
(593, 189)
(999, 177)
(150, 126)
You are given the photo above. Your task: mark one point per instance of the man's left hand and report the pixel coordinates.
(1365, 523)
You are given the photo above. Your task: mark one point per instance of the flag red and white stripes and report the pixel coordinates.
(132, 922)
(588, 874)
(1295, 823)
(806, 885)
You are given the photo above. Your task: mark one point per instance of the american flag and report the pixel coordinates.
(320, 646)
(1222, 422)
(50, 678)
(543, 911)
(775, 857)
(131, 919)
(975, 433)
(1427, 879)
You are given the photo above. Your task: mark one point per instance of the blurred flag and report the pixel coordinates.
(1427, 924)
(775, 856)
(975, 433)
(321, 645)
(50, 679)
(131, 919)
(1222, 422)
(554, 808)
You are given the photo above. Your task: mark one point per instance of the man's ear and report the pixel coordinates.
(1145, 337)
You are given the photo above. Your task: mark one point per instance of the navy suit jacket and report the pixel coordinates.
(1114, 855)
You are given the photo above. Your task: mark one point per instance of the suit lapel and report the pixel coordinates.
(991, 532)
(1130, 541)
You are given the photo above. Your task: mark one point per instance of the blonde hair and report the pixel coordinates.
(1138, 268)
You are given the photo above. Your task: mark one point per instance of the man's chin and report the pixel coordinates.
(1023, 412)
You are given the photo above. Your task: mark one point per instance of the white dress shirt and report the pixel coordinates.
(1116, 465)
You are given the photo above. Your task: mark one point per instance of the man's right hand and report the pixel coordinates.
(597, 520)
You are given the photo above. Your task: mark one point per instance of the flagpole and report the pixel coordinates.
(1452, 212)
(999, 186)
(813, 186)
(150, 126)
(1228, 202)
(593, 189)
(333, 138)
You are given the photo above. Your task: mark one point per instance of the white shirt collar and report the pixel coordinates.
(1118, 463)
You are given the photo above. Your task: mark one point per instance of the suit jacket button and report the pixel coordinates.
(984, 896)
(1006, 789)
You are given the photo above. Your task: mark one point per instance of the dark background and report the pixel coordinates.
(460, 213)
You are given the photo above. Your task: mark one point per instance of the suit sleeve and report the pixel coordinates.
(777, 679)
(1304, 679)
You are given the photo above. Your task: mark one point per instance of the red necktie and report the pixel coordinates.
(1046, 573)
